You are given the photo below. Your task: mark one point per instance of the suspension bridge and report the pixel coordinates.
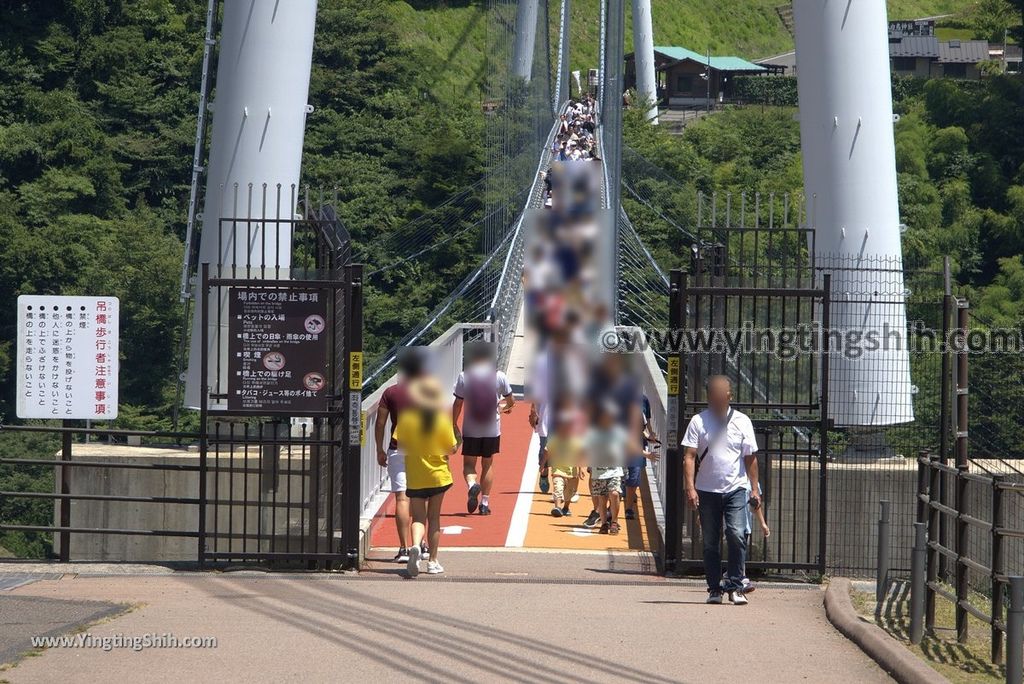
(297, 480)
(292, 482)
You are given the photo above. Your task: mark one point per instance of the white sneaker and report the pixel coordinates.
(434, 568)
(737, 598)
(575, 498)
(413, 566)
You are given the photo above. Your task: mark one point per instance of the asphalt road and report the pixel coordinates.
(525, 617)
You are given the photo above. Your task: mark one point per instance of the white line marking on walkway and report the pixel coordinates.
(524, 500)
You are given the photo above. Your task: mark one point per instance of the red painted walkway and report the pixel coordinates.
(459, 527)
(519, 518)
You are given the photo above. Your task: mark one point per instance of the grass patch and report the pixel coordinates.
(959, 663)
(948, 33)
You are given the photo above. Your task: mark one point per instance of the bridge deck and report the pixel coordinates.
(521, 513)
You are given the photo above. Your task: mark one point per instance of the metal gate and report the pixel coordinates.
(280, 482)
(767, 330)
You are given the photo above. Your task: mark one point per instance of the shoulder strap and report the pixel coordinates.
(700, 459)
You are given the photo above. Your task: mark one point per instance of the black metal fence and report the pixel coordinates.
(786, 398)
(268, 482)
(767, 241)
(987, 546)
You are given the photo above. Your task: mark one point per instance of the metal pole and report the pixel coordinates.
(351, 478)
(1015, 633)
(707, 73)
(997, 565)
(962, 529)
(882, 571)
(933, 554)
(695, 378)
(674, 474)
(917, 582)
(922, 487)
(826, 423)
(204, 405)
(65, 489)
(945, 413)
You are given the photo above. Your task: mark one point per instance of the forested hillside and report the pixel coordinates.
(456, 31)
(97, 116)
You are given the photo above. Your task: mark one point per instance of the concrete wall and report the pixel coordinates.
(276, 522)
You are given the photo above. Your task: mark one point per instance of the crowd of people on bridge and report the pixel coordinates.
(576, 137)
(587, 405)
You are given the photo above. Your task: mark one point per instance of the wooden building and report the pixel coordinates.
(684, 75)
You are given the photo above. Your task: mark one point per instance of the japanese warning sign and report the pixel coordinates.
(277, 354)
(67, 357)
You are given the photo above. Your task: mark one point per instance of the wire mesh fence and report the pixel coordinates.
(768, 239)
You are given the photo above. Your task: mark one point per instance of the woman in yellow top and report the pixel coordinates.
(426, 436)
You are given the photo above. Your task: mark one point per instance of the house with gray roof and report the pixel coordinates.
(915, 50)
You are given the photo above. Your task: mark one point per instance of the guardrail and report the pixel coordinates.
(508, 294)
(652, 380)
(988, 561)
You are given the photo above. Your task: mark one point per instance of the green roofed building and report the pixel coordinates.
(683, 76)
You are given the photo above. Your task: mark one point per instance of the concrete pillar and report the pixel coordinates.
(643, 52)
(846, 135)
(526, 36)
(259, 119)
(563, 89)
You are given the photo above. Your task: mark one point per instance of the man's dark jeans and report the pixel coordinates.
(713, 508)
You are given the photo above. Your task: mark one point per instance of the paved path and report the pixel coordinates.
(526, 617)
(521, 514)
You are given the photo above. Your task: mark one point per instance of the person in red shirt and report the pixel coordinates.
(393, 401)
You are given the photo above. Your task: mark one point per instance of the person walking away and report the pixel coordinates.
(393, 402)
(485, 393)
(605, 447)
(564, 455)
(426, 436)
(720, 474)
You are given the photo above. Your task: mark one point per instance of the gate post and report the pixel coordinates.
(674, 473)
(945, 415)
(204, 407)
(882, 571)
(65, 489)
(962, 529)
(826, 423)
(1015, 632)
(351, 465)
(917, 583)
(997, 566)
(716, 362)
(694, 381)
(934, 477)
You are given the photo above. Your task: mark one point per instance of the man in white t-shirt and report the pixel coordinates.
(720, 472)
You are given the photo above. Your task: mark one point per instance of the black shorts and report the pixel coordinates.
(427, 492)
(481, 446)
